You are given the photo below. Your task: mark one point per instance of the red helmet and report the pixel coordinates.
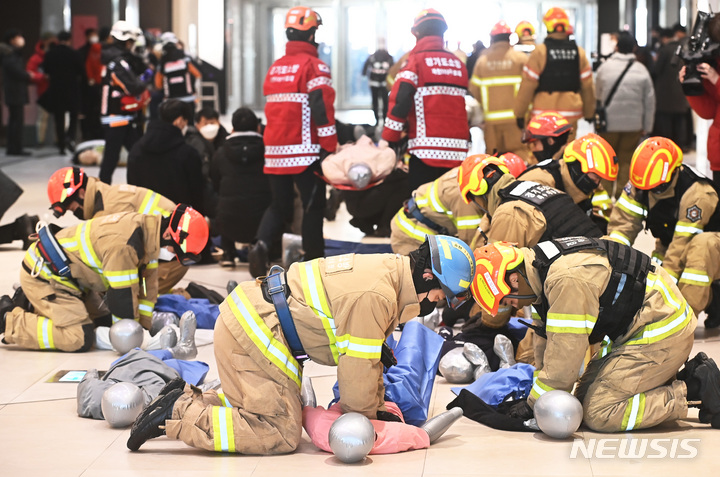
(500, 28)
(63, 187)
(189, 232)
(514, 163)
(544, 125)
(422, 24)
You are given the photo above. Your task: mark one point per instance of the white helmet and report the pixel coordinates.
(168, 37)
(124, 31)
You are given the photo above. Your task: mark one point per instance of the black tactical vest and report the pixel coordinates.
(177, 81)
(562, 69)
(625, 292)
(665, 213)
(563, 217)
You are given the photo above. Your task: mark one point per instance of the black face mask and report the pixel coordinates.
(79, 213)
(426, 307)
(542, 155)
(581, 180)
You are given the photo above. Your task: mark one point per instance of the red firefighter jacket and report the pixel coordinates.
(429, 94)
(299, 110)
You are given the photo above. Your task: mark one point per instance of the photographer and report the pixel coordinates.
(707, 106)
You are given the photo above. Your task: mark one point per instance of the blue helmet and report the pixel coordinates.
(454, 266)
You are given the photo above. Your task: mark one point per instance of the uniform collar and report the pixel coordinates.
(151, 228)
(570, 188)
(297, 47)
(493, 199)
(532, 274)
(93, 184)
(408, 305)
(429, 43)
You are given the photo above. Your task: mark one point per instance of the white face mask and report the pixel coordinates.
(184, 130)
(93, 39)
(209, 131)
(166, 255)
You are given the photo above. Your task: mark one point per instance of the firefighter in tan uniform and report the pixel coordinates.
(70, 188)
(117, 255)
(681, 210)
(435, 208)
(337, 311)
(520, 212)
(526, 37)
(592, 291)
(494, 84)
(557, 76)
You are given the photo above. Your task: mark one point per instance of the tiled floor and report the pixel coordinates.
(40, 433)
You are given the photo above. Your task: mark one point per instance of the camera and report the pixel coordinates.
(701, 47)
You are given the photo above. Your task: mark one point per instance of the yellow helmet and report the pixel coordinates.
(525, 29)
(472, 174)
(556, 19)
(492, 264)
(654, 162)
(594, 154)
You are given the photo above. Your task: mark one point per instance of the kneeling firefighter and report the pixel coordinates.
(63, 273)
(598, 291)
(337, 311)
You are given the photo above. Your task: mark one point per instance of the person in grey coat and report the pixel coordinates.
(631, 112)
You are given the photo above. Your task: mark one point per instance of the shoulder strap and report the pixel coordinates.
(617, 83)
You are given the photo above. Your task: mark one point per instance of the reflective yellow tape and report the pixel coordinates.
(44, 333)
(633, 412)
(570, 323)
(365, 348)
(314, 294)
(223, 432)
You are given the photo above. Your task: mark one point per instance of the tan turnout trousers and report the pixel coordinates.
(266, 413)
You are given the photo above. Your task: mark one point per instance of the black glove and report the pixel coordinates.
(387, 356)
(520, 123)
(387, 416)
(324, 154)
(521, 410)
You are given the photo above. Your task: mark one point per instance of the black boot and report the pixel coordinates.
(712, 320)
(19, 299)
(258, 259)
(6, 305)
(708, 376)
(24, 227)
(231, 285)
(151, 422)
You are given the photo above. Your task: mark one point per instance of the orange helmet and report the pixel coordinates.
(556, 19)
(544, 125)
(654, 162)
(189, 232)
(424, 19)
(472, 176)
(492, 264)
(594, 154)
(302, 18)
(500, 28)
(525, 29)
(63, 187)
(514, 163)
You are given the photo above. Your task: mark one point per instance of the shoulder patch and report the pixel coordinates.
(324, 68)
(628, 188)
(694, 213)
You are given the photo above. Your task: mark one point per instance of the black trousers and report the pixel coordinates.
(280, 212)
(90, 126)
(673, 126)
(420, 173)
(115, 139)
(16, 119)
(61, 135)
(379, 94)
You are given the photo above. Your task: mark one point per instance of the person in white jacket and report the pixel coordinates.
(631, 112)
